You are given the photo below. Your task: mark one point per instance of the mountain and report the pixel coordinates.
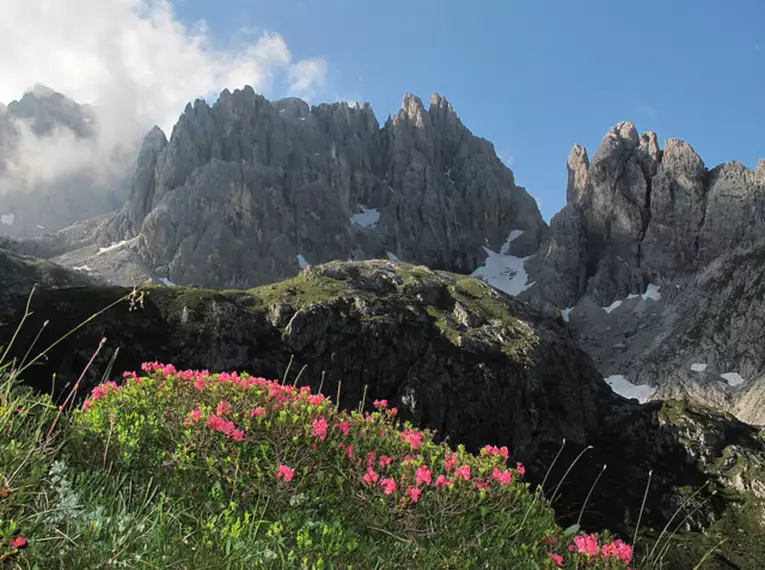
(656, 260)
(652, 263)
(452, 354)
(53, 169)
(248, 191)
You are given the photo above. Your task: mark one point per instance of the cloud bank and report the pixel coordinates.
(136, 63)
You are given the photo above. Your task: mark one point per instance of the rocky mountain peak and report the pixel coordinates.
(266, 188)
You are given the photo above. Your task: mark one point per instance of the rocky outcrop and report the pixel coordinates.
(453, 355)
(248, 190)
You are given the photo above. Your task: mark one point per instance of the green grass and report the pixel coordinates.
(150, 474)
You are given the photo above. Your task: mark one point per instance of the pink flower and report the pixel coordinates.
(450, 462)
(520, 469)
(556, 558)
(193, 417)
(284, 472)
(349, 451)
(17, 542)
(381, 403)
(413, 437)
(586, 544)
(388, 485)
(414, 493)
(384, 461)
(393, 411)
(223, 408)
(237, 435)
(319, 428)
(617, 549)
(463, 472)
(482, 485)
(370, 477)
(199, 383)
(422, 475)
(492, 450)
(503, 477)
(440, 480)
(315, 400)
(258, 412)
(344, 426)
(370, 459)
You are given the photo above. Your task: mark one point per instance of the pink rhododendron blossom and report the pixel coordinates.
(17, 542)
(557, 559)
(585, 544)
(388, 485)
(223, 408)
(344, 427)
(319, 428)
(414, 493)
(384, 461)
(618, 549)
(422, 475)
(413, 437)
(450, 462)
(284, 472)
(237, 435)
(520, 469)
(381, 403)
(503, 477)
(258, 412)
(463, 472)
(370, 477)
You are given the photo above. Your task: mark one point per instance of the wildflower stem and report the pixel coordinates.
(337, 400)
(709, 553)
(299, 374)
(669, 523)
(642, 506)
(363, 398)
(321, 385)
(589, 494)
(73, 390)
(549, 469)
(287, 372)
(570, 467)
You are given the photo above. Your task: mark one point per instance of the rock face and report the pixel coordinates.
(247, 191)
(51, 172)
(637, 214)
(650, 249)
(453, 355)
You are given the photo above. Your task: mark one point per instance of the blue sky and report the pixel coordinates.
(535, 77)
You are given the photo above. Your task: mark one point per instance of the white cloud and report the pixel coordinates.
(306, 77)
(135, 62)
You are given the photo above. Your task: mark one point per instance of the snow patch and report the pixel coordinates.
(652, 292)
(302, 262)
(39, 227)
(367, 218)
(698, 367)
(392, 256)
(85, 268)
(514, 235)
(733, 378)
(565, 314)
(505, 272)
(165, 281)
(114, 245)
(627, 389)
(7, 219)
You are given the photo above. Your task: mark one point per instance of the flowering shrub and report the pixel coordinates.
(349, 489)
